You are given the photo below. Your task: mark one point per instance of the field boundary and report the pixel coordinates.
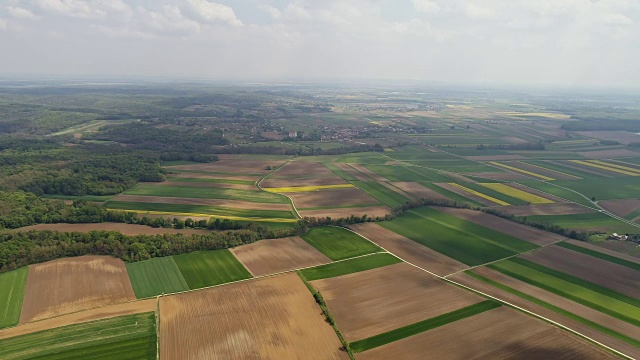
(293, 205)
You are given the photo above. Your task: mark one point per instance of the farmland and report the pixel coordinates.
(156, 276)
(12, 284)
(349, 266)
(207, 268)
(338, 244)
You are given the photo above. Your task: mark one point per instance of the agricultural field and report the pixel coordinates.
(349, 266)
(589, 221)
(126, 229)
(338, 243)
(275, 317)
(155, 277)
(381, 193)
(12, 286)
(68, 285)
(124, 337)
(208, 268)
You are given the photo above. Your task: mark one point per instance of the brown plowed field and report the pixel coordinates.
(68, 285)
(126, 229)
(543, 171)
(622, 137)
(494, 157)
(508, 227)
(332, 197)
(276, 183)
(608, 154)
(470, 196)
(375, 301)
(235, 204)
(269, 318)
(217, 176)
(408, 250)
(604, 250)
(277, 255)
(500, 333)
(353, 172)
(301, 169)
(622, 207)
(460, 178)
(372, 212)
(561, 302)
(546, 209)
(133, 307)
(395, 189)
(232, 166)
(368, 172)
(211, 184)
(604, 273)
(418, 191)
(572, 324)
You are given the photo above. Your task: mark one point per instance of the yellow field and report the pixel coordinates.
(517, 193)
(550, 170)
(521, 171)
(626, 168)
(235, 218)
(607, 167)
(540, 114)
(308, 188)
(492, 199)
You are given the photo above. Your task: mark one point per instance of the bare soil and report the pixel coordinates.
(277, 255)
(303, 169)
(572, 324)
(133, 307)
(622, 207)
(605, 250)
(375, 301)
(546, 209)
(623, 137)
(126, 229)
(277, 183)
(332, 197)
(193, 175)
(372, 212)
(508, 227)
(269, 318)
(236, 204)
(604, 273)
(68, 285)
(418, 191)
(501, 333)
(353, 172)
(367, 172)
(408, 250)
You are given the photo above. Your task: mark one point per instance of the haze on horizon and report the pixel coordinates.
(535, 42)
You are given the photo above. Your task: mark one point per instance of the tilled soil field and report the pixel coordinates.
(233, 166)
(468, 195)
(331, 198)
(274, 317)
(622, 207)
(375, 301)
(68, 285)
(418, 191)
(277, 255)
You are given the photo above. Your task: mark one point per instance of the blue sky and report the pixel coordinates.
(568, 42)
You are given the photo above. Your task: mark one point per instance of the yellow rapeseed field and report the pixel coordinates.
(521, 171)
(492, 199)
(307, 188)
(626, 168)
(603, 167)
(517, 193)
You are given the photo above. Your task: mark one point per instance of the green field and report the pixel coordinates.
(12, 287)
(155, 277)
(199, 209)
(586, 221)
(564, 169)
(381, 193)
(363, 158)
(336, 170)
(591, 295)
(338, 243)
(205, 193)
(495, 194)
(215, 181)
(557, 191)
(407, 173)
(461, 240)
(458, 165)
(422, 326)
(349, 266)
(616, 188)
(122, 338)
(597, 254)
(450, 194)
(207, 268)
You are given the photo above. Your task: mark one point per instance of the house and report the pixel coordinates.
(615, 236)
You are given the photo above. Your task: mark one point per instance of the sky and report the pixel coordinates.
(537, 42)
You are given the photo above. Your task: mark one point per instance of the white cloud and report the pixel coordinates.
(3, 24)
(71, 8)
(214, 12)
(168, 21)
(21, 13)
(426, 6)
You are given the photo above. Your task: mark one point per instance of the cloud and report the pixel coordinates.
(71, 8)
(214, 12)
(21, 13)
(3, 24)
(426, 6)
(168, 21)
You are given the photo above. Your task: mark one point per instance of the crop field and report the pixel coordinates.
(419, 191)
(627, 208)
(381, 193)
(606, 301)
(464, 241)
(590, 221)
(494, 191)
(329, 199)
(294, 189)
(12, 287)
(501, 333)
(521, 170)
(610, 275)
(147, 189)
(604, 166)
(346, 212)
(543, 168)
(273, 256)
(126, 229)
(617, 188)
(473, 195)
(229, 164)
(408, 250)
(517, 193)
(274, 317)
(376, 301)
(349, 266)
(363, 158)
(601, 253)
(207, 268)
(124, 337)
(337, 243)
(202, 210)
(365, 172)
(155, 277)
(559, 191)
(67, 285)
(407, 173)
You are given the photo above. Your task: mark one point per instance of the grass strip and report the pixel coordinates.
(336, 170)
(422, 326)
(565, 313)
(198, 209)
(599, 255)
(597, 301)
(12, 288)
(350, 266)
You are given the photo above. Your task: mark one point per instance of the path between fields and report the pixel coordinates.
(293, 205)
